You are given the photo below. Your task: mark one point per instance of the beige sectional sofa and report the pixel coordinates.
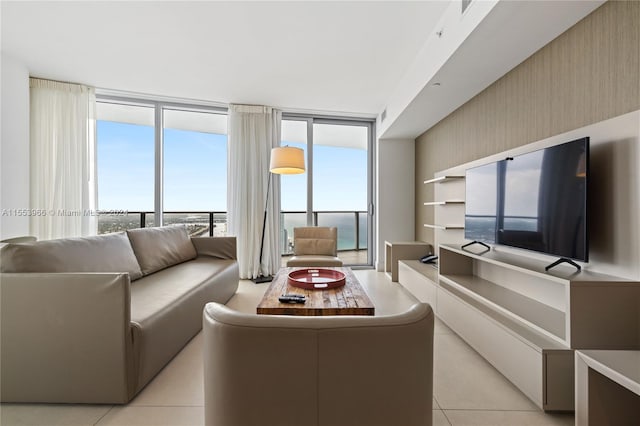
(93, 320)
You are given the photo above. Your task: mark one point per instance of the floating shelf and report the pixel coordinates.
(443, 203)
(443, 179)
(445, 227)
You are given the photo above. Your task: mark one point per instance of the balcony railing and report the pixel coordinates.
(352, 225)
(212, 223)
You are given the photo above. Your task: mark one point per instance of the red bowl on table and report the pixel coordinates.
(316, 278)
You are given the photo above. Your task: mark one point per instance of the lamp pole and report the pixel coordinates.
(264, 278)
(284, 160)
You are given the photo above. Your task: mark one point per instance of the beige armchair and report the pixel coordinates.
(321, 371)
(315, 246)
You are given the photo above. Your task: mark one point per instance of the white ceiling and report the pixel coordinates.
(507, 35)
(339, 57)
(335, 57)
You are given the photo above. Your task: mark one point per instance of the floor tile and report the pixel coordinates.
(464, 380)
(467, 389)
(441, 328)
(388, 297)
(180, 383)
(51, 414)
(153, 416)
(247, 296)
(507, 418)
(439, 418)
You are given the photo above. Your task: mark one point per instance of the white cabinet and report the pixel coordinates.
(395, 251)
(419, 279)
(607, 387)
(526, 322)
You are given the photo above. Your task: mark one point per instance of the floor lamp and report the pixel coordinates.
(285, 160)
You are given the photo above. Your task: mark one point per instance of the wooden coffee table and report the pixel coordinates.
(350, 299)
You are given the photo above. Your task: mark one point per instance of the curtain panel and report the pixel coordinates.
(253, 131)
(62, 160)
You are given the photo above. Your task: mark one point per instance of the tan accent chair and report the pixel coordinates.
(315, 246)
(321, 371)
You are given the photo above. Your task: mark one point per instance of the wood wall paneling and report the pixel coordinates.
(588, 74)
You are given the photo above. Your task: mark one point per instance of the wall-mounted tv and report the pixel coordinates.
(535, 201)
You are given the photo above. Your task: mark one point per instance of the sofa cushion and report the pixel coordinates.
(102, 253)
(166, 307)
(159, 248)
(319, 246)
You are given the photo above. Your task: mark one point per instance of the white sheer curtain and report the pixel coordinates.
(62, 152)
(253, 131)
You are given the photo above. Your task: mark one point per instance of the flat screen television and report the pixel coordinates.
(535, 201)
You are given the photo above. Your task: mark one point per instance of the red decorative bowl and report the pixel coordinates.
(316, 279)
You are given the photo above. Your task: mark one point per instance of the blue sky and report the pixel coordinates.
(195, 172)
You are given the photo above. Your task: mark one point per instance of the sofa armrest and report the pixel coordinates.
(65, 337)
(219, 247)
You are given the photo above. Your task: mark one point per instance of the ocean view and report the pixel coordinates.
(198, 225)
(345, 222)
(483, 228)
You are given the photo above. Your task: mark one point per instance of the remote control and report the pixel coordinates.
(289, 299)
(299, 296)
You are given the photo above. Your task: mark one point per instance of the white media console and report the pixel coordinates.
(525, 321)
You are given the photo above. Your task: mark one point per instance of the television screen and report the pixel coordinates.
(535, 201)
(481, 203)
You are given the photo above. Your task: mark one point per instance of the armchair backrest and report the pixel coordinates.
(320, 371)
(315, 240)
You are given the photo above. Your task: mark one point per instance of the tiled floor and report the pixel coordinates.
(467, 390)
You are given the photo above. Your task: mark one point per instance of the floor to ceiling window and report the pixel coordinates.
(176, 175)
(293, 188)
(195, 170)
(125, 165)
(337, 188)
(165, 163)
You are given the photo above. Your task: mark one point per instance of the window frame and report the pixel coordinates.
(160, 104)
(159, 107)
(370, 124)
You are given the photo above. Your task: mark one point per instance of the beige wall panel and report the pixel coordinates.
(588, 74)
